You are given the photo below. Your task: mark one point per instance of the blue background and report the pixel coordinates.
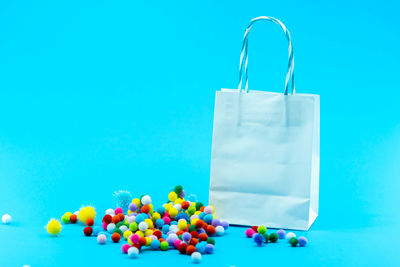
(97, 96)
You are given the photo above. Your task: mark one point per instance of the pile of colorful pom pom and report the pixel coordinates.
(261, 237)
(187, 226)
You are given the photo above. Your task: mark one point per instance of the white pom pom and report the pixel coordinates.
(131, 219)
(146, 200)
(220, 230)
(123, 228)
(196, 257)
(290, 235)
(6, 218)
(174, 228)
(110, 227)
(133, 252)
(143, 226)
(178, 207)
(110, 212)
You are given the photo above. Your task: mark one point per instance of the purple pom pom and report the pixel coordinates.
(215, 223)
(302, 241)
(132, 207)
(186, 236)
(225, 225)
(281, 234)
(209, 248)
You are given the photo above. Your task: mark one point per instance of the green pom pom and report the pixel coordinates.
(293, 241)
(117, 230)
(192, 228)
(191, 210)
(178, 189)
(164, 245)
(180, 237)
(273, 237)
(199, 205)
(126, 223)
(119, 224)
(65, 219)
(262, 229)
(266, 236)
(133, 227)
(211, 240)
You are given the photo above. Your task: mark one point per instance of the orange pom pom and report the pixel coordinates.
(89, 222)
(199, 223)
(73, 218)
(203, 237)
(121, 217)
(190, 249)
(115, 219)
(185, 205)
(210, 230)
(145, 209)
(115, 237)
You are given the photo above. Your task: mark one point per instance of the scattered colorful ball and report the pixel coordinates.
(6, 218)
(53, 227)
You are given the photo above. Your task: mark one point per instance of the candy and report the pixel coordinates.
(281, 233)
(249, 232)
(115, 237)
(101, 239)
(125, 248)
(53, 227)
(302, 241)
(133, 252)
(85, 213)
(273, 237)
(293, 241)
(88, 231)
(290, 235)
(6, 218)
(196, 257)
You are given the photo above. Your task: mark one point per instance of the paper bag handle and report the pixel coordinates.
(244, 55)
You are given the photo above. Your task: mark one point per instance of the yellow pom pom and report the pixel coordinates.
(53, 227)
(148, 241)
(168, 206)
(173, 212)
(193, 222)
(130, 242)
(182, 225)
(137, 202)
(197, 213)
(155, 216)
(127, 234)
(139, 233)
(178, 201)
(151, 207)
(129, 212)
(86, 213)
(172, 196)
(149, 223)
(148, 232)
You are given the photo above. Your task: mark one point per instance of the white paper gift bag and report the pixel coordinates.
(265, 152)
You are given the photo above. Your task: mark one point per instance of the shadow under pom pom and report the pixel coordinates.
(123, 199)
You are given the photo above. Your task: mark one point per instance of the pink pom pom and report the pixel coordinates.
(104, 225)
(177, 242)
(125, 248)
(250, 232)
(166, 220)
(118, 211)
(135, 238)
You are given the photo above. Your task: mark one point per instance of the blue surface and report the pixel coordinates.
(98, 96)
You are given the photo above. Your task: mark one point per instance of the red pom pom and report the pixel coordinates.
(203, 237)
(88, 231)
(158, 234)
(161, 240)
(193, 241)
(142, 241)
(211, 230)
(182, 248)
(73, 218)
(107, 218)
(115, 219)
(145, 209)
(115, 237)
(180, 232)
(254, 228)
(137, 246)
(190, 249)
(194, 234)
(121, 217)
(205, 226)
(199, 224)
(89, 222)
(185, 205)
(202, 209)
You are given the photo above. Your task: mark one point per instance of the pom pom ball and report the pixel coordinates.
(290, 235)
(125, 248)
(127, 234)
(302, 241)
(203, 237)
(249, 232)
(110, 227)
(261, 229)
(196, 257)
(173, 212)
(6, 219)
(146, 200)
(172, 196)
(145, 209)
(209, 248)
(220, 230)
(133, 252)
(85, 213)
(281, 233)
(53, 227)
(185, 205)
(190, 249)
(178, 189)
(96, 230)
(110, 212)
(186, 237)
(107, 218)
(143, 226)
(88, 231)
(164, 245)
(134, 238)
(273, 237)
(208, 210)
(101, 239)
(225, 225)
(211, 230)
(73, 218)
(66, 217)
(115, 237)
(259, 239)
(133, 226)
(142, 241)
(155, 244)
(211, 240)
(182, 248)
(118, 211)
(201, 247)
(293, 241)
(177, 242)
(89, 222)
(182, 224)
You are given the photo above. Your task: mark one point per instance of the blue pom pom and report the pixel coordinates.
(259, 239)
(174, 223)
(161, 210)
(165, 228)
(96, 230)
(201, 247)
(160, 223)
(209, 248)
(201, 231)
(140, 218)
(182, 216)
(123, 199)
(208, 218)
(201, 215)
(155, 244)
